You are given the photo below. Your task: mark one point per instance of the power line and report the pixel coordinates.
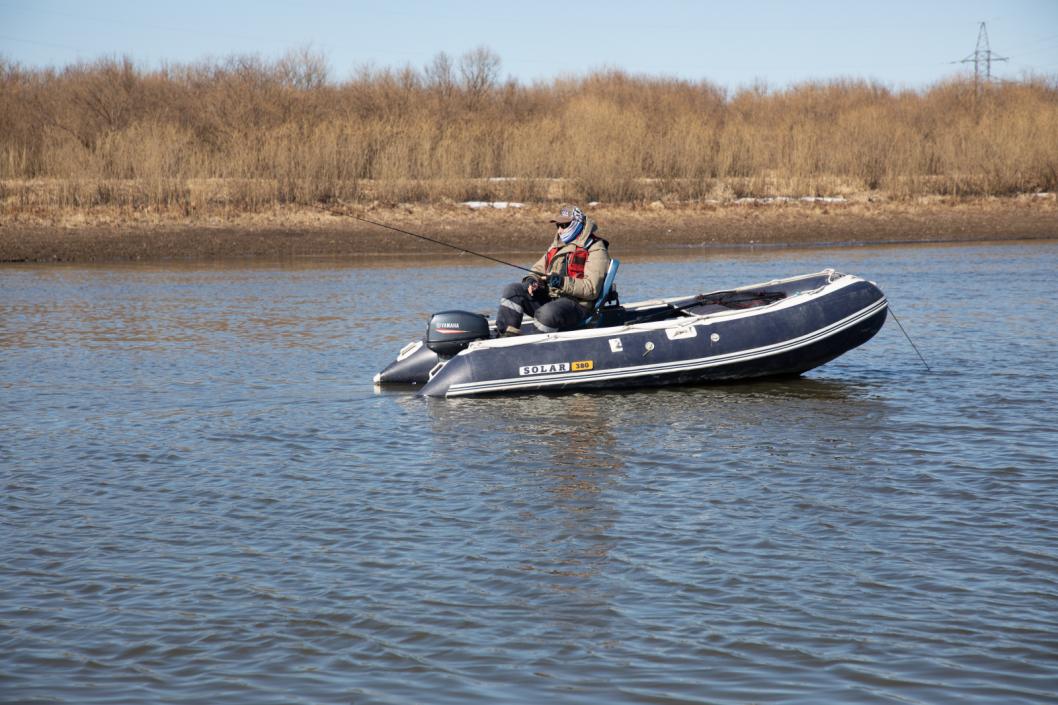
(43, 44)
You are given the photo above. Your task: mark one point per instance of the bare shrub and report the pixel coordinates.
(247, 133)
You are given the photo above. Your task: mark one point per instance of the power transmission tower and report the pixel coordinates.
(982, 55)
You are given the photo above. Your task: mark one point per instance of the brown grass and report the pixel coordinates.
(244, 135)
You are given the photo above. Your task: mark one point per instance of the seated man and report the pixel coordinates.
(565, 282)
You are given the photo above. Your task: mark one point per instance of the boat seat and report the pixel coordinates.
(607, 294)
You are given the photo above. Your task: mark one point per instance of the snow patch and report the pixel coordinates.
(791, 199)
(492, 204)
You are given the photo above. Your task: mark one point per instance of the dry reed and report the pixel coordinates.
(245, 134)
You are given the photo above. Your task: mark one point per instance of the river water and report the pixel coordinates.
(205, 499)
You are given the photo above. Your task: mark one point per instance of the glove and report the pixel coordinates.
(555, 281)
(531, 279)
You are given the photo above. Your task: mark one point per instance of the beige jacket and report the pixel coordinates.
(587, 289)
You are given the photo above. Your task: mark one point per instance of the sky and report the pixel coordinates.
(729, 43)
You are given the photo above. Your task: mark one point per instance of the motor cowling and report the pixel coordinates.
(452, 331)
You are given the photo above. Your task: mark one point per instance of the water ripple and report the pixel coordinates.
(204, 500)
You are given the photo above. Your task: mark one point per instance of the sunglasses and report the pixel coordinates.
(562, 226)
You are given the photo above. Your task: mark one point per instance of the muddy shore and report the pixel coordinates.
(102, 236)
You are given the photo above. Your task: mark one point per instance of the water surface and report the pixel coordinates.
(206, 500)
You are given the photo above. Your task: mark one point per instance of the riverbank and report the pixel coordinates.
(112, 234)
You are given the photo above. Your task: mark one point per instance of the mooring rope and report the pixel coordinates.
(891, 313)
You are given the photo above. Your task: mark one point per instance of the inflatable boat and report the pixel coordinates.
(783, 327)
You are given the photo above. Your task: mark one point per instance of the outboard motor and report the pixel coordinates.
(452, 331)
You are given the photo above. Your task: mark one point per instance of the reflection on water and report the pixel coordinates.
(560, 449)
(206, 500)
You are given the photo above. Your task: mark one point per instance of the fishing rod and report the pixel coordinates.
(430, 239)
(720, 298)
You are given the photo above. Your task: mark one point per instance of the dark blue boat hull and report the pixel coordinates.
(818, 318)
